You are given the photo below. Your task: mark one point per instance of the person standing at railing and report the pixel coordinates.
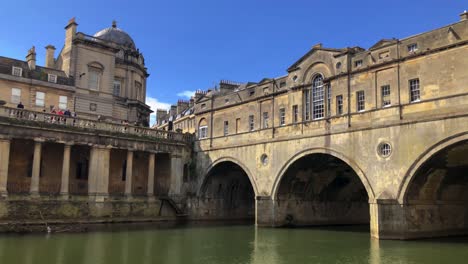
(20, 106)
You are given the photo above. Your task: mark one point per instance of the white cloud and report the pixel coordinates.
(187, 94)
(156, 104)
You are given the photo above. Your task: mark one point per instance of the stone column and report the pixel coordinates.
(129, 173)
(36, 169)
(65, 169)
(150, 189)
(4, 161)
(98, 181)
(177, 173)
(388, 220)
(264, 211)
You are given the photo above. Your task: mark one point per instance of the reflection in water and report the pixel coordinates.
(227, 245)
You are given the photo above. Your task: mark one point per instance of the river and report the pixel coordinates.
(227, 245)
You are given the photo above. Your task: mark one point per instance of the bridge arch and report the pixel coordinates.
(423, 159)
(311, 151)
(227, 191)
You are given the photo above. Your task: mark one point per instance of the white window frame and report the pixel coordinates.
(360, 101)
(40, 101)
(226, 128)
(91, 72)
(265, 119)
(385, 94)
(63, 102)
(117, 82)
(295, 113)
(251, 122)
(282, 114)
(339, 105)
(358, 63)
(202, 132)
(318, 97)
(413, 47)
(414, 90)
(15, 69)
(52, 78)
(15, 98)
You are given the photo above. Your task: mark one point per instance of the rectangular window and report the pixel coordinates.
(328, 100)
(63, 102)
(251, 123)
(412, 47)
(307, 104)
(93, 80)
(226, 128)
(386, 95)
(40, 99)
(237, 125)
(415, 94)
(15, 95)
(295, 113)
(203, 132)
(265, 119)
(117, 87)
(282, 115)
(17, 71)
(358, 63)
(251, 92)
(139, 91)
(361, 101)
(339, 104)
(203, 106)
(52, 78)
(282, 84)
(265, 90)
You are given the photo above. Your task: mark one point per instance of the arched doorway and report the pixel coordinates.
(321, 189)
(226, 194)
(436, 198)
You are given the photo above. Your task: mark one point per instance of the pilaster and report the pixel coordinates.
(4, 163)
(36, 169)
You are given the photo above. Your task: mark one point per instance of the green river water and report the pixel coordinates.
(227, 244)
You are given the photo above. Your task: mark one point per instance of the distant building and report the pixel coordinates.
(103, 75)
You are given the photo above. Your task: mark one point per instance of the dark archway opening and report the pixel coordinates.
(320, 189)
(226, 194)
(437, 197)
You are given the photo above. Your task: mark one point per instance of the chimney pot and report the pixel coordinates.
(31, 58)
(464, 16)
(49, 60)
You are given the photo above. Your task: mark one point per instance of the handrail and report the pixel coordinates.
(42, 117)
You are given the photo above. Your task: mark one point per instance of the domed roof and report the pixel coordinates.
(116, 35)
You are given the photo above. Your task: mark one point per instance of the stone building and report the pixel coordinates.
(374, 136)
(102, 75)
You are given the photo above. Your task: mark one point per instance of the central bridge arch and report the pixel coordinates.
(321, 187)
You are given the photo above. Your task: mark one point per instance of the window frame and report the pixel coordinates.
(358, 63)
(119, 83)
(202, 132)
(60, 104)
(266, 118)
(339, 105)
(282, 115)
(251, 123)
(412, 48)
(360, 101)
(19, 69)
(318, 97)
(295, 114)
(52, 78)
(13, 96)
(385, 93)
(91, 72)
(38, 99)
(415, 92)
(226, 128)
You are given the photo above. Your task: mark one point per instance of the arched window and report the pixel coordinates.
(318, 92)
(202, 129)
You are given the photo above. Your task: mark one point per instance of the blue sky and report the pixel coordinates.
(191, 45)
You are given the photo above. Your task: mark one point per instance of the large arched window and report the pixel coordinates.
(202, 129)
(318, 96)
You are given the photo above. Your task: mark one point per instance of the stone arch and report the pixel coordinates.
(338, 155)
(318, 67)
(422, 159)
(227, 159)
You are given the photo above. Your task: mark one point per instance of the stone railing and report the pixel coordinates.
(68, 121)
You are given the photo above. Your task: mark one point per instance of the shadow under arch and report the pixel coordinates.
(423, 158)
(226, 192)
(335, 154)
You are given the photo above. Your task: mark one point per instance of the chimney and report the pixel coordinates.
(173, 110)
(161, 115)
(67, 58)
(464, 16)
(199, 94)
(317, 46)
(49, 60)
(31, 58)
(182, 106)
(191, 102)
